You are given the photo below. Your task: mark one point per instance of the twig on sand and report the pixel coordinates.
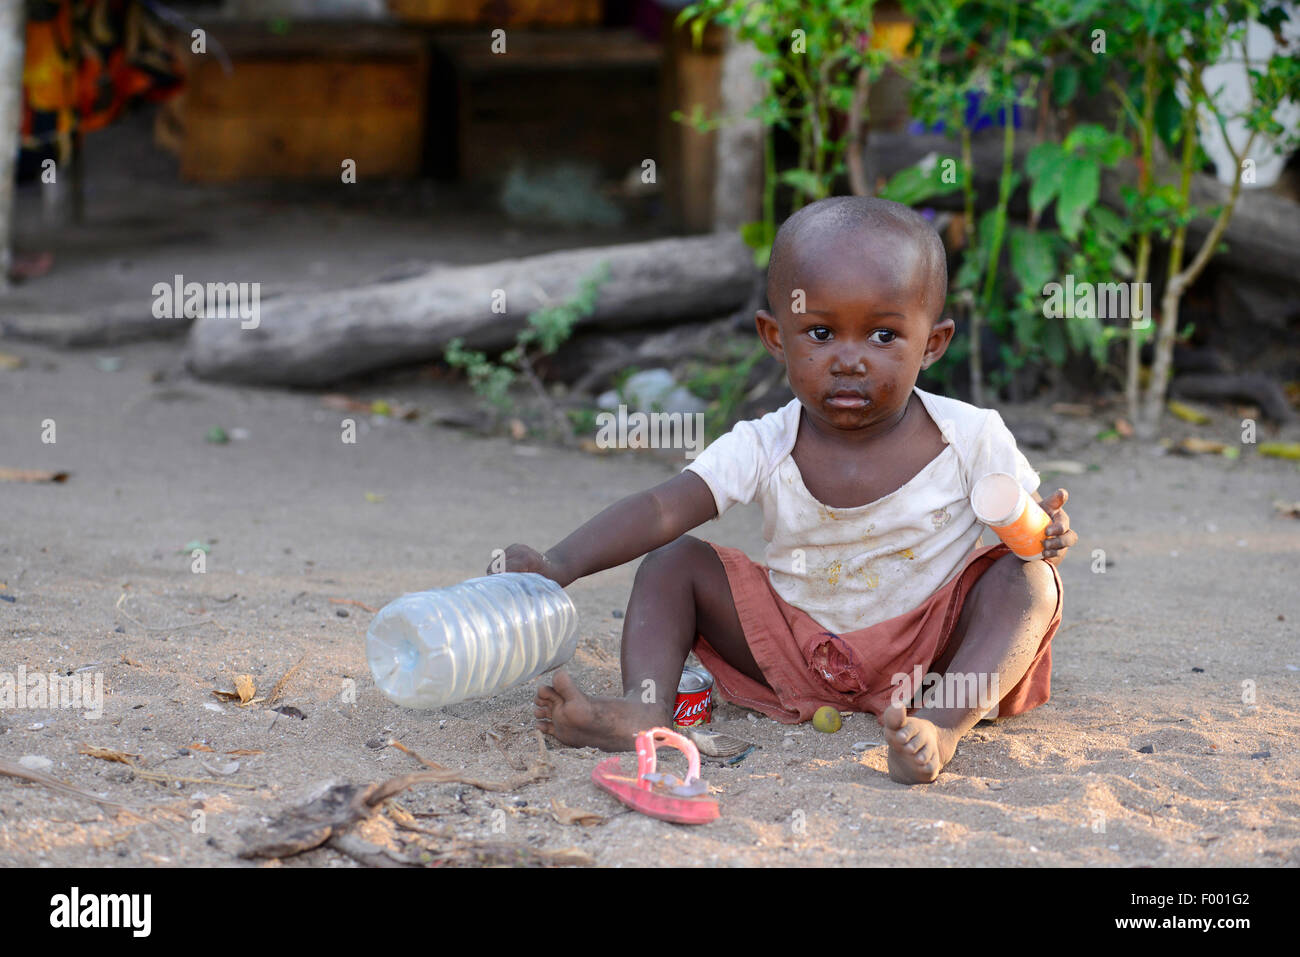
(372, 855)
(158, 777)
(16, 770)
(502, 852)
(326, 817)
(139, 624)
(280, 685)
(494, 738)
(351, 601)
(539, 770)
(458, 852)
(404, 819)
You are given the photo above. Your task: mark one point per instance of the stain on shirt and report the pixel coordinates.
(850, 568)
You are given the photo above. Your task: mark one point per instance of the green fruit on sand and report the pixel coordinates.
(827, 719)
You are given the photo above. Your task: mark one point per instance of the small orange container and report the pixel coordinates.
(1001, 503)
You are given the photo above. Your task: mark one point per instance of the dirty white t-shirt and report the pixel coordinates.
(853, 567)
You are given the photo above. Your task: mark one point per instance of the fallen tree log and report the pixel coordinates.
(1250, 387)
(323, 338)
(114, 325)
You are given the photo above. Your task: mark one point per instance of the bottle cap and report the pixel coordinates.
(998, 499)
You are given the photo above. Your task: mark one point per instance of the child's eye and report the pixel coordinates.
(814, 332)
(885, 332)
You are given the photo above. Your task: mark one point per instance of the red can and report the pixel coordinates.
(694, 697)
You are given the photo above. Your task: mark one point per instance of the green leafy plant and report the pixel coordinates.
(723, 385)
(1146, 53)
(972, 59)
(491, 381)
(816, 65)
(545, 330)
(984, 53)
(1087, 243)
(1174, 45)
(583, 420)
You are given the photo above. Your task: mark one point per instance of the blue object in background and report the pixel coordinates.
(975, 119)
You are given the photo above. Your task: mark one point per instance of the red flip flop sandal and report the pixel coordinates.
(660, 794)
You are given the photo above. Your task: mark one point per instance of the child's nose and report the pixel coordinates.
(849, 359)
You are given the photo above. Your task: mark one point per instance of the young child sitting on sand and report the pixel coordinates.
(873, 571)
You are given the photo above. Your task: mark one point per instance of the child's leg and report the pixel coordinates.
(1002, 623)
(680, 589)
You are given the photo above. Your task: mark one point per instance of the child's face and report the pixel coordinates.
(853, 353)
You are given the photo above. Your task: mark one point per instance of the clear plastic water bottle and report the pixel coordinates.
(484, 636)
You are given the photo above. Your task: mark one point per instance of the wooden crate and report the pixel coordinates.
(296, 107)
(500, 12)
(691, 79)
(589, 96)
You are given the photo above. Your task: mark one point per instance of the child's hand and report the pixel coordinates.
(1059, 537)
(522, 558)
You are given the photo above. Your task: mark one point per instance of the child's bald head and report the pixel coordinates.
(879, 229)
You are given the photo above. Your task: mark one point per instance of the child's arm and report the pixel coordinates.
(626, 530)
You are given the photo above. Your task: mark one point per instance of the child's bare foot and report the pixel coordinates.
(918, 749)
(580, 720)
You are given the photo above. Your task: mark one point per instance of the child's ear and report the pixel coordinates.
(769, 333)
(937, 344)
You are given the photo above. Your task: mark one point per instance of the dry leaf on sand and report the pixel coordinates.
(1188, 413)
(574, 815)
(31, 475)
(243, 693)
(1201, 446)
(108, 754)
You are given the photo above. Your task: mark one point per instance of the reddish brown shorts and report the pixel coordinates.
(807, 667)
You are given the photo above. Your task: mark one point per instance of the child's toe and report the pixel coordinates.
(907, 734)
(892, 717)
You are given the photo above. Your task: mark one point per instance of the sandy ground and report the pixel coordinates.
(1147, 754)
(1199, 599)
